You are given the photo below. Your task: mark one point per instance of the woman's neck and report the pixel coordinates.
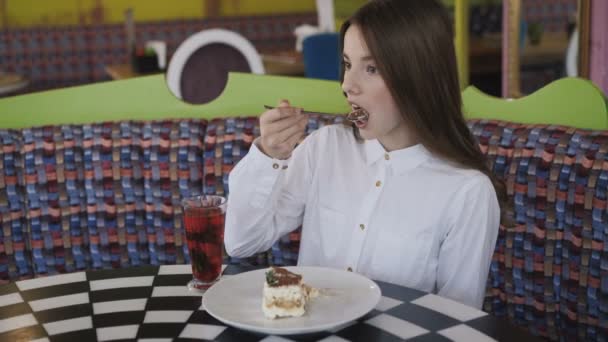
(399, 138)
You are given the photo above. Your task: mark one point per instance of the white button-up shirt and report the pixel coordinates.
(404, 217)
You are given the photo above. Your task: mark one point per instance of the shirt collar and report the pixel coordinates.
(400, 160)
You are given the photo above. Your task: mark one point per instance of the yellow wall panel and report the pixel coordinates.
(24, 13)
(343, 9)
(34, 12)
(146, 10)
(259, 7)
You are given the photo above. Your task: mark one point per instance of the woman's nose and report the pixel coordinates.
(349, 85)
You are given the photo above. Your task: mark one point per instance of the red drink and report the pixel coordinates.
(204, 224)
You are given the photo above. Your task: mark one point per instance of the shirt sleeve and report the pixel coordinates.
(267, 198)
(466, 251)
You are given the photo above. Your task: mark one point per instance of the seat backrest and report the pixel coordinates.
(570, 101)
(547, 271)
(322, 56)
(549, 148)
(198, 71)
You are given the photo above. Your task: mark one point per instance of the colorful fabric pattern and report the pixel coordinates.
(54, 57)
(15, 260)
(226, 142)
(548, 272)
(554, 15)
(98, 196)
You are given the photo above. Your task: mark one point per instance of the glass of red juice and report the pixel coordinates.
(204, 225)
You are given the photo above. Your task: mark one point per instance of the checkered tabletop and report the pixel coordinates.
(153, 304)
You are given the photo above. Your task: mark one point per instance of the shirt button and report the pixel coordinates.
(386, 156)
(349, 269)
(275, 166)
(378, 183)
(362, 226)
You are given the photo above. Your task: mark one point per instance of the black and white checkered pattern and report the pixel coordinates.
(153, 303)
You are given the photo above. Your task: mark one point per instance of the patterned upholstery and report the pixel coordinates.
(549, 271)
(226, 142)
(15, 261)
(107, 195)
(54, 57)
(555, 15)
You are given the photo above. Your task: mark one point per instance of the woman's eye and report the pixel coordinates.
(346, 64)
(371, 69)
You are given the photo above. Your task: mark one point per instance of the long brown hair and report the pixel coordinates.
(412, 44)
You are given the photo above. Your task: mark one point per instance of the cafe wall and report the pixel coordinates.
(29, 13)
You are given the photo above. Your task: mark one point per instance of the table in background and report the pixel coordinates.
(11, 83)
(286, 63)
(153, 302)
(280, 63)
(120, 71)
(124, 71)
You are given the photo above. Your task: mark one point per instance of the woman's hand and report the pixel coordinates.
(281, 129)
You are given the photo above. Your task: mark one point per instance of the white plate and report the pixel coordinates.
(345, 296)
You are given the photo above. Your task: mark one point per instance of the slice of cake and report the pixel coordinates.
(284, 294)
(358, 115)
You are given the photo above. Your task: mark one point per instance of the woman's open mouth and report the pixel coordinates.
(358, 116)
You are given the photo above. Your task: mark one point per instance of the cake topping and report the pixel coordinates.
(358, 115)
(278, 276)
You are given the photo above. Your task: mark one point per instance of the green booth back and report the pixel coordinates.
(568, 102)
(571, 102)
(148, 98)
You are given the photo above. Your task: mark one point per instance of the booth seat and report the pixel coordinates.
(98, 185)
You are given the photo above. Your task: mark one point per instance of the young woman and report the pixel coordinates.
(403, 195)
